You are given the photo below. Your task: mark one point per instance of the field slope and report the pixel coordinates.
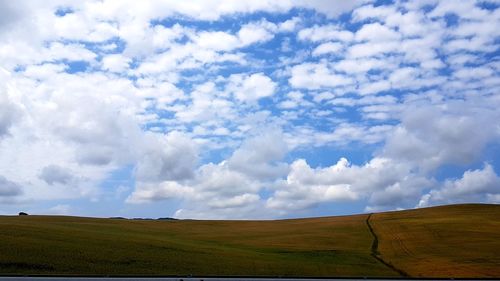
(446, 241)
(451, 241)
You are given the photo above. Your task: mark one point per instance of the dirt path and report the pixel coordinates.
(376, 254)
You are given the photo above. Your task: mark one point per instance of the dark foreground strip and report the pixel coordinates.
(376, 254)
(34, 277)
(225, 278)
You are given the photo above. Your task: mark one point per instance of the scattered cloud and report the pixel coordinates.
(223, 110)
(481, 185)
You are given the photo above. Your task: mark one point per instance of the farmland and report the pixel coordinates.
(459, 241)
(448, 241)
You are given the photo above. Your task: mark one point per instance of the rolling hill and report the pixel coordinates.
(447, 241)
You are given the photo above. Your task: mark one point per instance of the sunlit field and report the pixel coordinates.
(454, 241)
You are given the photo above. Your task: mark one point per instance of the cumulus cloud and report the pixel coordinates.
(232, 183)
(387, 183)
(10, 13)
(327, 48)
(457, 134)
(249, 34)
(214, 189)
(214, 10)
(148, 192)
(72, 52)
(105, 86)
(325, 32)
(375, 32)
(252, 87)
(54, 174)
(305, 187)
(116, 63)
(316, 76)
(260, 157)
(255, 32)
(169, 158)
(9, 111)
(9, 188)
(481, 185)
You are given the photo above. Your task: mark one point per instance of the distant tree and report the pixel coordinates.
(23, 214)
(167, 219)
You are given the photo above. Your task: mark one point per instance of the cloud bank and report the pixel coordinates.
(263, 109)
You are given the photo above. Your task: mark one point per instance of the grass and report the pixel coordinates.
(456, 241)
(422, 242)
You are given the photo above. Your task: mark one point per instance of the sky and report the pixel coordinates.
(225, 109)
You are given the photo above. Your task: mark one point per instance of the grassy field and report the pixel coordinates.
(447, 241)
(458, 241)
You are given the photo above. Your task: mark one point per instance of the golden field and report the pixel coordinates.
(448, 241)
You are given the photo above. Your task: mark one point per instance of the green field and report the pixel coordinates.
(451, 241)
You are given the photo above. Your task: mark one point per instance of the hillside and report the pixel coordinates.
(458, 241)
(449, 241)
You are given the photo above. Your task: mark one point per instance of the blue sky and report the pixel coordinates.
(247, 109)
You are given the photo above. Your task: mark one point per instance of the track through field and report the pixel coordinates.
(375, 252)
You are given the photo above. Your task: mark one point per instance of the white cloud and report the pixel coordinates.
(329, 7)
(479, 185)
(323, 96)
(305, 187)
(435, 135)
(218, 40)
(376, 32)
(252, 87)
(220, 181)
(116, 63)
(399, 195)
(467, 10)
(207, 103)
(410, 24)
(9, 113)
(325, 33)
(213, 10)
(78, 26)
(260, 157)
(71, 52)
(373, 49)
(388, 182)
(54, 174)
(44, 71)
(232, 183)
(214, 189)
(169, 158)
(351, 66)
(146, 192)
(374, 87)
(165, 100)
(9, 188)
(327, 48)
(369, 11)
(294, 99)
(60, 209)
(346, 133)
(316, 76)
(81, 122)
(289, 25)
(255, 32)
(236, 201)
